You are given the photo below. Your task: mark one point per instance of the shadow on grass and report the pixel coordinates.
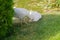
(45, 29)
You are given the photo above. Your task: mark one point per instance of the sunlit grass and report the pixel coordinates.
(55, 37)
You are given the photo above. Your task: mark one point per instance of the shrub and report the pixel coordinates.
(6, 14)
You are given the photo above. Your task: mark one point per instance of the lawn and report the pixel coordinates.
(47, 28)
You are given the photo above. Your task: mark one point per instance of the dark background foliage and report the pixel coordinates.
(6, 14)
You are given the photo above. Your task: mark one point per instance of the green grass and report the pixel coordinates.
(47, 28)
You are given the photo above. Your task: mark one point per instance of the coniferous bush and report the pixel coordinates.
(6, 14)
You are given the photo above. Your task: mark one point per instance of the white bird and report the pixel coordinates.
(35, 15)
(21, 13)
